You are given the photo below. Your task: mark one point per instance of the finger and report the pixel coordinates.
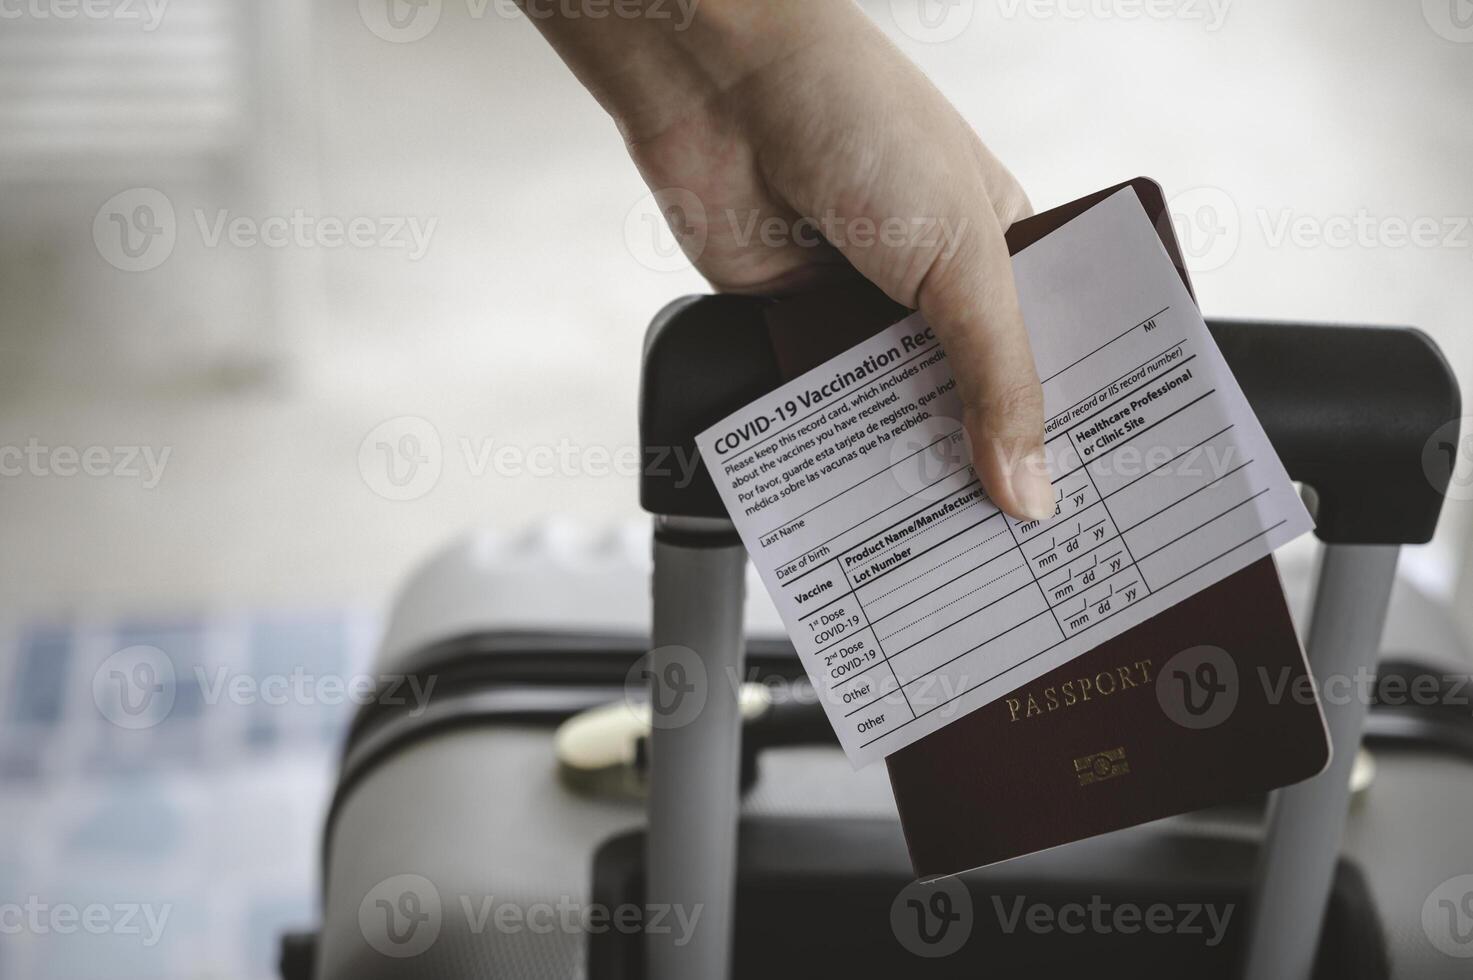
(969, 298)
(962, 281)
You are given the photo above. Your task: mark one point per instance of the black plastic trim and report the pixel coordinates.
(839, 880)
(697, 539)
(504, 678)
(478, 661)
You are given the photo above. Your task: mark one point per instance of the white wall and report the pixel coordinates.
(521, 325)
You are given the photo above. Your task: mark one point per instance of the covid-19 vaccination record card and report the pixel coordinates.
(910, 598)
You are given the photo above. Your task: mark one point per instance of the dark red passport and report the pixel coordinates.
(1202, 704)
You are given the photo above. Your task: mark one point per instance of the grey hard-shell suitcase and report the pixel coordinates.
(454, 849)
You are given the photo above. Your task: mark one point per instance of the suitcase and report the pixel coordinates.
(452, 848)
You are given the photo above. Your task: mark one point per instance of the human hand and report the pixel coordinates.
(811, 144)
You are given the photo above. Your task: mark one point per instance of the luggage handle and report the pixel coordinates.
(1349, 409)
(1358, 437)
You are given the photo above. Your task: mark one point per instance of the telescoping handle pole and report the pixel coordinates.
(1369, 431)
(1306, 821)
(695, 744)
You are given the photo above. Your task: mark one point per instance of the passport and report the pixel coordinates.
(1190, 709)
(1200, 705)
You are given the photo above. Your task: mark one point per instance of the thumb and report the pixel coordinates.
(969, 299)
(965, 290)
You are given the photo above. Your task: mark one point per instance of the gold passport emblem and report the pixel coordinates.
(1101, 766)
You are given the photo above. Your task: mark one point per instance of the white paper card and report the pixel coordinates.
(910, 598)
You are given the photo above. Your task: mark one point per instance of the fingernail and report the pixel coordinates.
(1032, 488)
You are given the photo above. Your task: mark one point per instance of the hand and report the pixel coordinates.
(770, 112)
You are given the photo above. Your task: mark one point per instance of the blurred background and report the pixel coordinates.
(295, 292)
